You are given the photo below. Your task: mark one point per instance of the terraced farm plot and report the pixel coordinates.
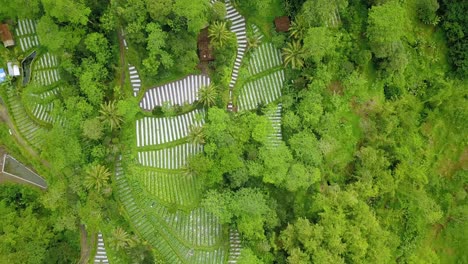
(101, 254)
(169, 158)
(238, 28)
(178, 92)
(198, 227)
(29, 129)
(265, 90)
(154, 131)
(170, 187)
(159, 227)
(265, 57)
(275, 118)
(26, 34)
(134, 79)
(45, 70)
(43, 107)
(235, 246)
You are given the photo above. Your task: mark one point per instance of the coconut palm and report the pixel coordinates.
(96, 177)
(109, 114)
(196, 135)
(207, 95)
(253, 42)
(219, 33)
(293, 54)
(120, 239)
(298, 28)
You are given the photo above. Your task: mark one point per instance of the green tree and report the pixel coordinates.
(219, 34)
(196, 135)
(67, 10)
(320, 12)
(293, 54)
(218, 11)
(346, 229)
(305, 148)
(195, 11)
(120, 239)
(98, 44)
(319, 42)
(110, 115)
(207, 95)
(298, 28)
(159, 10)
(157, 55)
(248, 206)
(91, 76)
(387, 24)
(93, 129)
(427, 11)
(96, 177)
(16, 8)
(65, 37)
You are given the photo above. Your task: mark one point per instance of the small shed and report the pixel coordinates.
(282, 24)
(13, 69)
(205, 51)
(7, 37)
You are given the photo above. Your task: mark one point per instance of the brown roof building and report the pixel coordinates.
(205, 51)
(282, 24)
(7, 37)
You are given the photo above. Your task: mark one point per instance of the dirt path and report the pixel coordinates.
(122, 60)
(85, 245)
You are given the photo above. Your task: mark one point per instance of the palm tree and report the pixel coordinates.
(196, 135)
(219, 33)
(109, 114)
(298, 28)
(293, 54)
(96, 177)
(253, 42)
(207, 95)
(120, 239)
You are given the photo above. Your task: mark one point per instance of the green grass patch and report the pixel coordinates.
(264, 19)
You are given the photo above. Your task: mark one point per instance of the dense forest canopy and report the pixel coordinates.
(371, 168)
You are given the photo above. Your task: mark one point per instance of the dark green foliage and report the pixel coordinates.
(455, 24)
(372, 167)
(27, 233)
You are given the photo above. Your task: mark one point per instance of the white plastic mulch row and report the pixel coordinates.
(42, 112)
(28, 42)
(26, 126)
(46, 61)
(200, 227)
(275, 119)
(26, 34)
(235, 246)
(26, 27)
(48, 93)
(173, 188)
(178, 92)
(159, 227)
(169, 158)
(135, 80)
(154, 131)
(263, 90)
(257, 32)
(47, 76)
(238, 27)
(264, 57)
(101, 255)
